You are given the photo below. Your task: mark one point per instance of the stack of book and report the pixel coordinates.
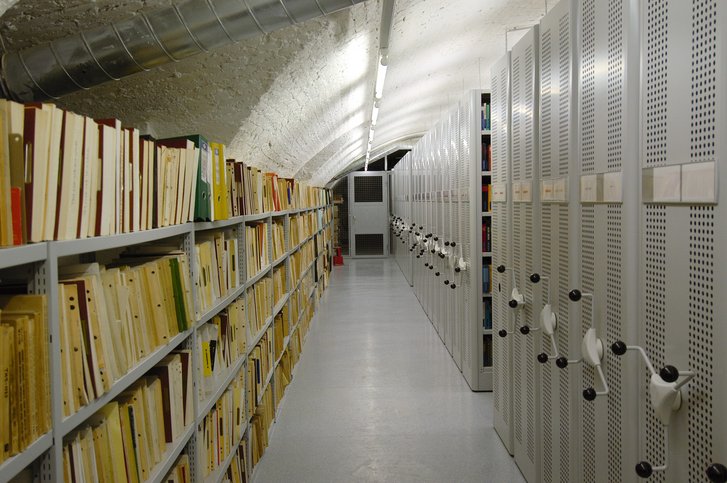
(278, 239)
(221, 343)
(24, 366)
(111, 318)
(217, 262)
(256, 245)
(259, 304)
(127, 438)
(260, 425)
(221, 429)
(279, 284)
(181, 472)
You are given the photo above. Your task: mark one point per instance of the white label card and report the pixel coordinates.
(526, 191)
(546, 190)
(699, 183)
(612, 187)
(589, 188)
(667, 184)
(499, 192)
(560, 190)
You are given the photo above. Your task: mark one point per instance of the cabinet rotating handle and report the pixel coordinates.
(665, 396)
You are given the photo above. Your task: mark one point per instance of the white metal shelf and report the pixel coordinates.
(258, 336)
(161, 470)
(22, 254)
(281, 259)
(219, 473)
(219, 224)
(281, 303)
(100, 243)
(268, 378)
(254, 279)
(221, 304)
(15, 464)
(220, 390)
(124, 382)
(51, 250)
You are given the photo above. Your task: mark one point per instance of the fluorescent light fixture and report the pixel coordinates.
(374, 115)
(380, 78)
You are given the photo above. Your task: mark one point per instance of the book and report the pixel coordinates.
(219, 183)
(218, 267)
(128, 437)
(24, 366)
(220, 430)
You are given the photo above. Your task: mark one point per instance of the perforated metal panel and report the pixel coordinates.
(502, 377)
(526, 253)
(560, 418)
(608, 90)
(683, 247)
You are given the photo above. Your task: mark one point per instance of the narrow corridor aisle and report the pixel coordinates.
(376, 396)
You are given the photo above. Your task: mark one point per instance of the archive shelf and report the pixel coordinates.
(220, 390)
(159, 473)
(484, 309)
(15, 464)
(439, 206)
(219, 473)
(22, 255)
(79, 417)
(47, 450)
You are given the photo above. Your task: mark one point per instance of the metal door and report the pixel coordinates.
(368, 194)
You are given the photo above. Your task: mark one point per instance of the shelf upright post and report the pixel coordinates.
(188, 246)
(45, 280)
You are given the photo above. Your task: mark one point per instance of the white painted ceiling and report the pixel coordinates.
(297, 101)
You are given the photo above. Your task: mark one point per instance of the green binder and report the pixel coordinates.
(203, 195)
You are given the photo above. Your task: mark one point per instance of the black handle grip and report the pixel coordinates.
(512, 303)
(431, 267)
(457, 269)
(501, 268)
(446, 244)
(535, 278)
(717, 473)
(575, 295)
(618, 348)
(436, 274)
(426, 264)
(669, 373)
(453, 286)
(644, 470)
(436, 238)
(446, 282)
(589, 394)
(561, 362)
(525, 330)
(502, 333)
(454, 244)
(542, 357)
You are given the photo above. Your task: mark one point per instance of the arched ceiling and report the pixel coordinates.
(297, 101)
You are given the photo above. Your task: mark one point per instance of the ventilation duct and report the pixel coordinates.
(146, 41)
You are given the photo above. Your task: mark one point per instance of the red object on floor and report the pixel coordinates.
(338, 258)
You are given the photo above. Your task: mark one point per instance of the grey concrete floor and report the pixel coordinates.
(376, 397)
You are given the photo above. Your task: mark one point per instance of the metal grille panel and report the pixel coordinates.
(368, 244)
(368, 189)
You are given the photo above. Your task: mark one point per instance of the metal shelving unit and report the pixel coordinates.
(437, 194)
(45, 455)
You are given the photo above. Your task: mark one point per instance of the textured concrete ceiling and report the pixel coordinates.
(297, 101)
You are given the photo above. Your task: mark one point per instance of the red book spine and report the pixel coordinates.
(17, 212)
